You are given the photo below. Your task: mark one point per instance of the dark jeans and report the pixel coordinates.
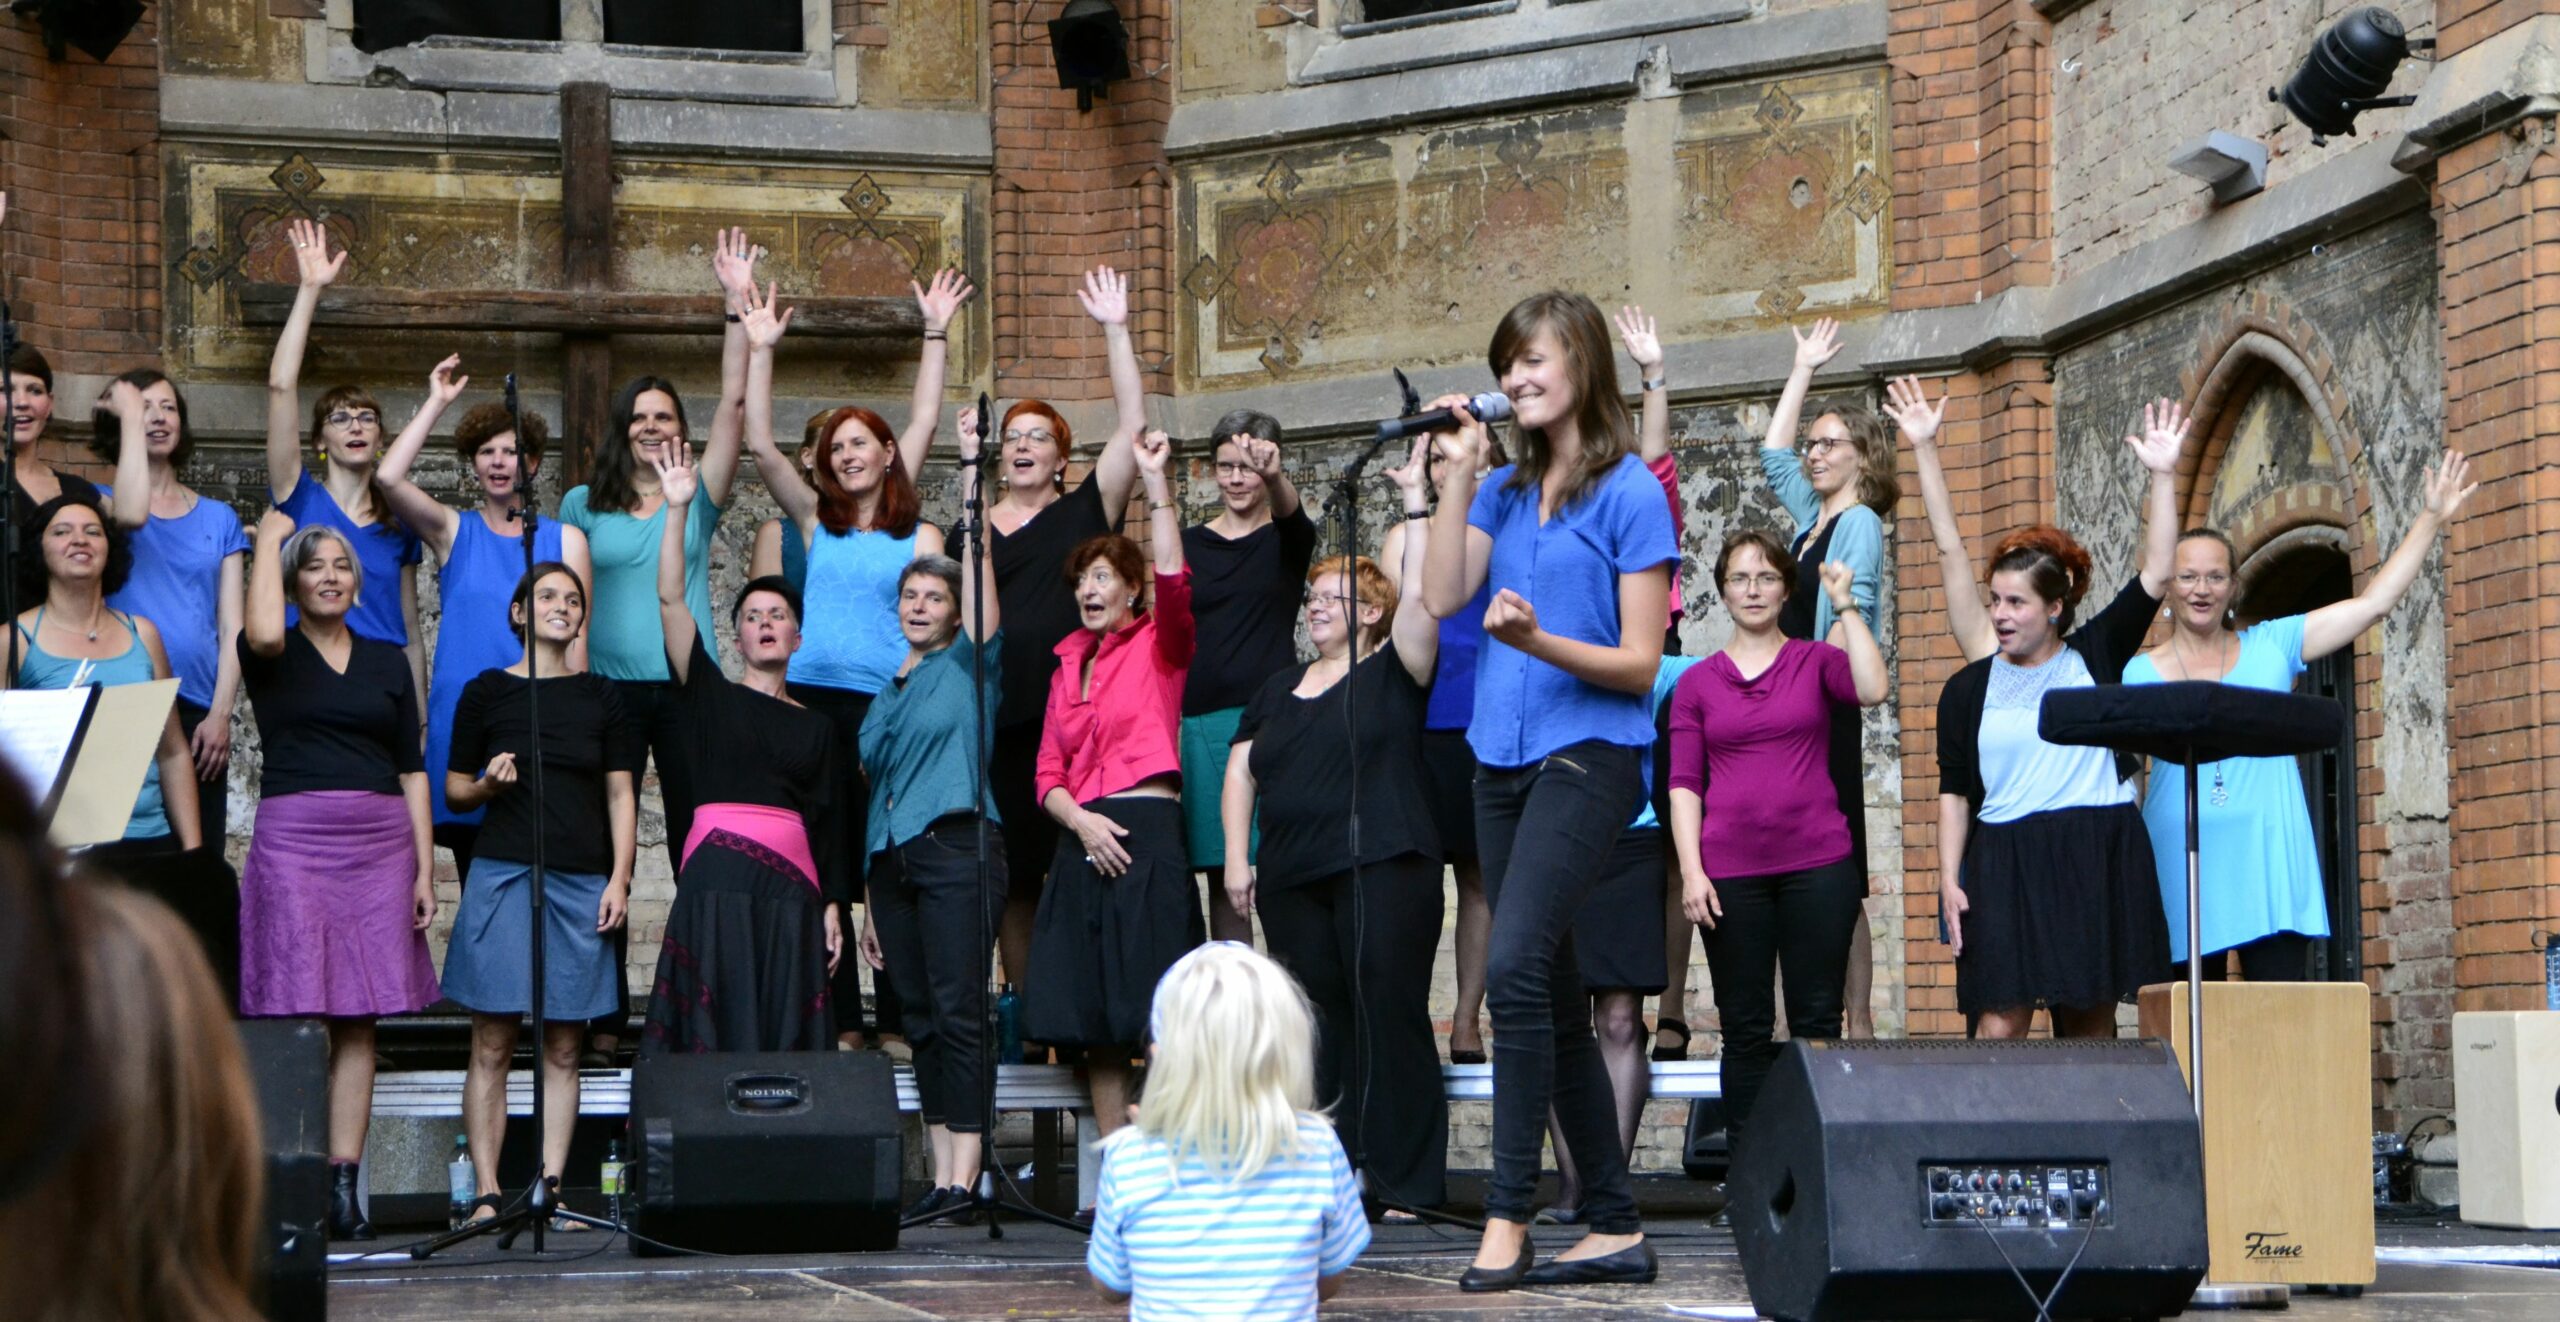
(1365, 962)
(936, 931)
(213, 797)
(2275, 957)
(1799, 920)
(1544, 832)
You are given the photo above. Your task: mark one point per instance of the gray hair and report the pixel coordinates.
(303, 547)
(1255, 423)
(942, 567)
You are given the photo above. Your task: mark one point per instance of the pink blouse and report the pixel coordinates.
(1126, 726)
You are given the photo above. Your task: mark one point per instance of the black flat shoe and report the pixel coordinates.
(1627, 1266)
(1483, 1280)
(1669, 1025)
(924, 1209)
(959, 1207)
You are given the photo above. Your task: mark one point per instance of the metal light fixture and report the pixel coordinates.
(1091, 47)
(96, 27)
(2349, 67)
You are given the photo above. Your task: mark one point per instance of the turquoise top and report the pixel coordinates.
(1857, 541)
(915, 743)
(2261, 863)
(41, 669)
(851, 639)
(624, 638)
(1666, 677)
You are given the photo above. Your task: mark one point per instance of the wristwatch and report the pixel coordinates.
(1654, 383)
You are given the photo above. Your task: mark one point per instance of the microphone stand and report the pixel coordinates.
(9, 488)
(535, 1210)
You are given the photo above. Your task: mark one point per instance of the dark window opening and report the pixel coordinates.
(2299, 581)
(383, 24)
(747, 25)
(1386, 11)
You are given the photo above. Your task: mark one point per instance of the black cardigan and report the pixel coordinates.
(2106, 642)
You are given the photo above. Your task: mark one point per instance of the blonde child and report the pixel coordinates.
(1228, 1195)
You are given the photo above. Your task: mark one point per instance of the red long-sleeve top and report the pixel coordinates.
(1126, 726)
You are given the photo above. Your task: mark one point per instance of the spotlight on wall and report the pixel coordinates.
(2234, 165)
(95, 26)
(2349, 67)
(1091, 47)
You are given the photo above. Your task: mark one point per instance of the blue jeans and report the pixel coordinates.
(1544, 832)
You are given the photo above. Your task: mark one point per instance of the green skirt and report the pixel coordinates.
(1205, 740)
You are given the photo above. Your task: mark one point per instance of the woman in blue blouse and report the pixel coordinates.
(2261, 888)
(1575, 542)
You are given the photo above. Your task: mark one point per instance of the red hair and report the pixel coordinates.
(2057, 568)
(899, 505)
(1057, 425)
(1113, 549)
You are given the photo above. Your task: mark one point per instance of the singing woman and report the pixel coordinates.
(1576, 543)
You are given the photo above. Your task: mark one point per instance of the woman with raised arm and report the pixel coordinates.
(1576, 544)
(187, 558)
(778, 550)
(1362, 951)
(586, 840)
(1120, 906)
(2045, 882)
(339, 886)
(861, 525)
(1033, 525)
(72, 637)
(346, 430)
(926, 923)
(620, 510)
(1766, 862)
(754, 931)
(2261, 890)
(30, 416)
(480, 556)
(1248, 569)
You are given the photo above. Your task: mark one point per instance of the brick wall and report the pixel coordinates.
(80, 161)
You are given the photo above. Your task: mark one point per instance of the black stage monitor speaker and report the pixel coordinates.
(779, 1152)
(289, 1066)
(1903, 1179)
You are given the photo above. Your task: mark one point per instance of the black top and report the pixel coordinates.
(747, 747)
(584, 736)
(2106, 642)
(1039, 607)
(1795, 614)
(1244, 601)
(322, 730)
(1301, 764)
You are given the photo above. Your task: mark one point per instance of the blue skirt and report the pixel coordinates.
(488, 968)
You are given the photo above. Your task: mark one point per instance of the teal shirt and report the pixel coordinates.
(624, 638)
(1857, 542)
(915, 743)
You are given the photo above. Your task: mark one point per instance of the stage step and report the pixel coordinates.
(1677, 1080)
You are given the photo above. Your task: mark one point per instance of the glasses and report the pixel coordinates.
(1232, 468)
(1035, 437)
(1814, 443)
(2192, 579)
(360, 418)
(1738, 582)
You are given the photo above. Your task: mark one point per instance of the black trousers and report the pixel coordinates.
(1365, 961)
(936, 933)
(1802, 921)
(847, 824)
(213, 797)
(2275, 957)
(1544, 832)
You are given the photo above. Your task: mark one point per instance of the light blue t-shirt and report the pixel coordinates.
(1184, 1243)
(176, 584)
(1857, 539)
(1568, 568)
(383, 549)
(1666, 677)
(851, 639)
(625, 641)
(2021, 773)
(2261, 862)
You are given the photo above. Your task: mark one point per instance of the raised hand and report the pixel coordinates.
(443, 386)
(1155, 450)
(942, 300)
(2448, 486)
(1413, 476)
(1635, 330)
(1907, 403)
(1817, 345)
(733, 260)
(764, 328)
(1511, 618)
(1837, 579)
(123, 399)
(1105, 296)
(677, 477)
(2163, 437)
(1263, 455)
(973, 442)
(1464, 444)
(312, 263)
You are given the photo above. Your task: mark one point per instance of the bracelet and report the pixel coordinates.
(1411, 515)
(1654, 383)
(734, 318)
(1159, 505)
(937, 335)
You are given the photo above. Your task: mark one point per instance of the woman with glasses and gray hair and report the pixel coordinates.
(339, 886)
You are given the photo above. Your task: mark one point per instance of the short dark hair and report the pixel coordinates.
(1114, 548)
(26, 360)
(775, 584)
(940, 567)
(523, 595)
(487, 421)
(106, 430)
(1770, 549)
(1255, 423)
(31, 578)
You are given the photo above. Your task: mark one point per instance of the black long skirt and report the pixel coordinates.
(2063, 910)
(1618, 932)
(743, 966)
(1098, 944)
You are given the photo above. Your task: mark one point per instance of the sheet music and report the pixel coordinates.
(38, 730)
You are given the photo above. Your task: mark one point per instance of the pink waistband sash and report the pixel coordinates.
(777, 829)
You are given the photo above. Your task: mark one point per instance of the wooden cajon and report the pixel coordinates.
(2506, 1116)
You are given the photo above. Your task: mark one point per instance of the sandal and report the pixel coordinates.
(488, 1202)
(1666, 1024)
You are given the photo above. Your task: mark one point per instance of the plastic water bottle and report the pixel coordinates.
(463, 1185)
(1008, 1026)
(2551, 972)
(610, 1177)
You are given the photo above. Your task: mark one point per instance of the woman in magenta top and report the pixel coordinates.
(1765, 862)
(1119, 908)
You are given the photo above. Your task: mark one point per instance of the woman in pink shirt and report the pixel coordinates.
(1765, 862)
(1120, 907)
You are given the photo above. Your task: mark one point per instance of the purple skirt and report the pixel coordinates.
(326, 925)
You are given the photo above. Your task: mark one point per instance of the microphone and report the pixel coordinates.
(522, 512)
(986, 428)
(1491, 406)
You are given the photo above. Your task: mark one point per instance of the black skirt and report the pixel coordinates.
(1449, 776)
(1618, 935)
(1098, 944)
(743, 966)
(2063, 911)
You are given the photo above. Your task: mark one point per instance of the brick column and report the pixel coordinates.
(1971, 220)
(80, 161)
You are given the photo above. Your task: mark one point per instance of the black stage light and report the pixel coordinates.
(95, 26)
(1092, 48)
(2346, 72)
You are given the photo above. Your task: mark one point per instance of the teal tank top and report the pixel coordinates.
(40, 669)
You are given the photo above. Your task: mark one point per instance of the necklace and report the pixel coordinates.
(2221, 794)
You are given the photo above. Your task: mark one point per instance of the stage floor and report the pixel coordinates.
(1036, 1271)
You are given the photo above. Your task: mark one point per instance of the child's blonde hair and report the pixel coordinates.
(1234, 1062)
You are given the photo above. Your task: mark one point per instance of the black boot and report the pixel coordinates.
(346, 1215)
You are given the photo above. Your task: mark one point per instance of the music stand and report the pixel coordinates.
(2188, 724)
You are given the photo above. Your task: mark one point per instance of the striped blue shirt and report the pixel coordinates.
(1184, 1243)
